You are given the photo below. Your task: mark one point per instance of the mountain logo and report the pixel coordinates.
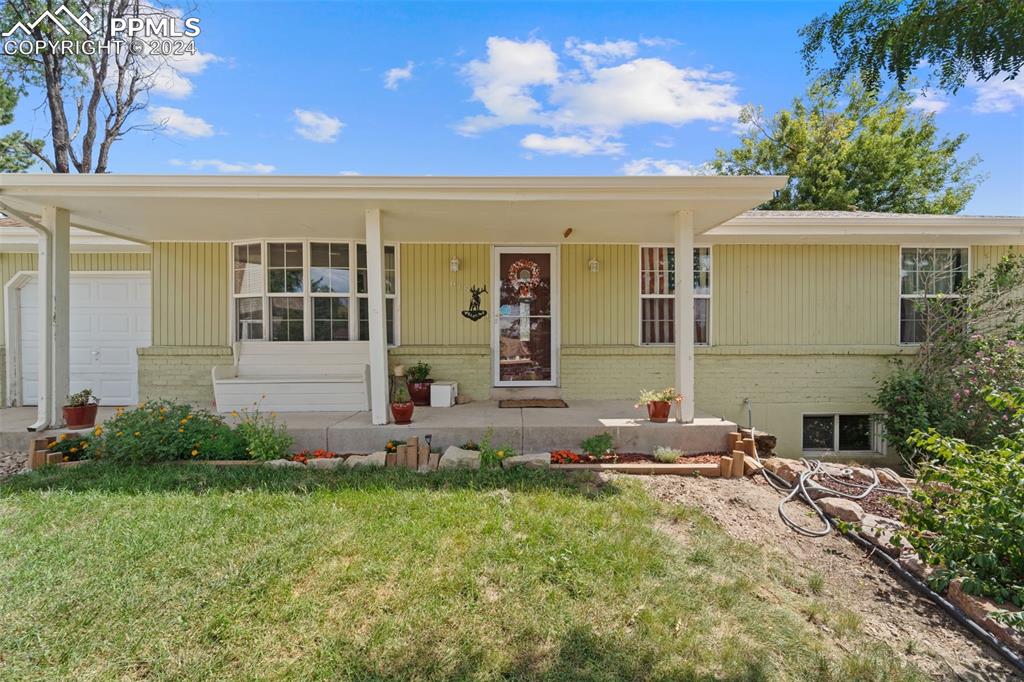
(83, 22)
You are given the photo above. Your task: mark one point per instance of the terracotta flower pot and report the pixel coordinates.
(420, 392)
(402, 412)
(81, 417)
(659, 410)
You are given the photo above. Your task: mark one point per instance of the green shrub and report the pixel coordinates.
(598, 446)
(964, 517)
(418, 372)
(163, 430)
(264, 438)
(667, 455)
(72, 448)
(492, 455)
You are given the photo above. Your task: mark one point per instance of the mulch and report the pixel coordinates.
(879, 503)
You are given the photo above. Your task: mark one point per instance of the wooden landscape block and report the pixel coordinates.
(726, 467)
(54, 458)
(39, 444)
(423, 456)
(748, 446)
(391, 459)
(738, 461)
(734, 438)
(37, 458)
(433, 460)
(751, 466)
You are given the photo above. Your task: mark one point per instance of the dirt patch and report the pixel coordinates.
(890, 611)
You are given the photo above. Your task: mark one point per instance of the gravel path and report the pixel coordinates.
(890, 611)
(11, 463)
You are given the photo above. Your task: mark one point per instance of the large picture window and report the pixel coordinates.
(307, 291)
(658, 290)
(927, 273)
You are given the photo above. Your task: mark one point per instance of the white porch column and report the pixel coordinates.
(54, 310)
(379, 398)
(684, 313)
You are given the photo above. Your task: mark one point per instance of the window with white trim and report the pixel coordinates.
(303, 291)
(658, 290)
(927, 273)
(841, 433)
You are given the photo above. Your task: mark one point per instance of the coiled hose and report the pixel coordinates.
(799, 491)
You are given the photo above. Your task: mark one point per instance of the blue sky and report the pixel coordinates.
(503, 89)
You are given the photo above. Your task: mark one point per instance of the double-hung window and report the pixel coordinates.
(927, 273)
(658, 290)
(307, 291)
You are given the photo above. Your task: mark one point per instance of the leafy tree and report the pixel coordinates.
(960, 39)
(92, 96)
(15, 147)
(972, 347)
(868, 153)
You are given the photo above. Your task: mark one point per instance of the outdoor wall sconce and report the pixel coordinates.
(594, 265)
(454, 264)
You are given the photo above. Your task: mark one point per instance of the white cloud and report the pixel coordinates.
(316, 126)
(219, 166)
(349, 172)
(177, 122)
(929, 101)
(398, 74)
(521, 83)
(997, 96)
(502, 83)
(574, 145)
(590, 55)
(171, 75)
(649, 166)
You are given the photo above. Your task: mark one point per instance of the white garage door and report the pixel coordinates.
(109, 320)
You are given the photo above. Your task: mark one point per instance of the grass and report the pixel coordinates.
(195, 573)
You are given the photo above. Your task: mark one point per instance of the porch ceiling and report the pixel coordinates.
(150, 208)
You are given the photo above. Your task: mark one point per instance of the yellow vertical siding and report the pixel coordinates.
(600, 308)
(804, 295)
(190, 294)
(432, 296)
(13, 263)
(987, 256)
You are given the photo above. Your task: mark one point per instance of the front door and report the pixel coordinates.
(525, 293)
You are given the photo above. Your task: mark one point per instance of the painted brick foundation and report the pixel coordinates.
(180, 372)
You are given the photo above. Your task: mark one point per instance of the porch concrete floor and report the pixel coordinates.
(524, 429)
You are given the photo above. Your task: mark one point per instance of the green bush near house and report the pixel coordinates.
(163, 430)
(964, 516)
(598, 446)
(265, 439)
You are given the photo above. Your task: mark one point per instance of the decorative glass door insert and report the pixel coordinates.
(525, 353)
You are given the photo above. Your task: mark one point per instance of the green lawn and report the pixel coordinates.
(197, 573)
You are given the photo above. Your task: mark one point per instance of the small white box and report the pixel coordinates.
(443, 393)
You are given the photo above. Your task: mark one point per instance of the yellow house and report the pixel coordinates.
(309, 289)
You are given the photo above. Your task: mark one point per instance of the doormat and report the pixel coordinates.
(533, 402)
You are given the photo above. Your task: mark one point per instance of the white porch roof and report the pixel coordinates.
(536, 210)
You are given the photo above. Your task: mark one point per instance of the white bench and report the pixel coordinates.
(295, 376)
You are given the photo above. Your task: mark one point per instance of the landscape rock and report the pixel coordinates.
(764, 442)
(457, 458)
(980, 610)
(879, 531)
(282, 464)
(377, 459)
(540, 460)
(912, 563)
(889, 479)
(787, 469)
(842, 509)
(325, 463)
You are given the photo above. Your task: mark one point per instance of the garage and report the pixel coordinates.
(110, 319)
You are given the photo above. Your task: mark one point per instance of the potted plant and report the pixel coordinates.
(419, 383)
(401, 405)
(80, 411)
(659, 403)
